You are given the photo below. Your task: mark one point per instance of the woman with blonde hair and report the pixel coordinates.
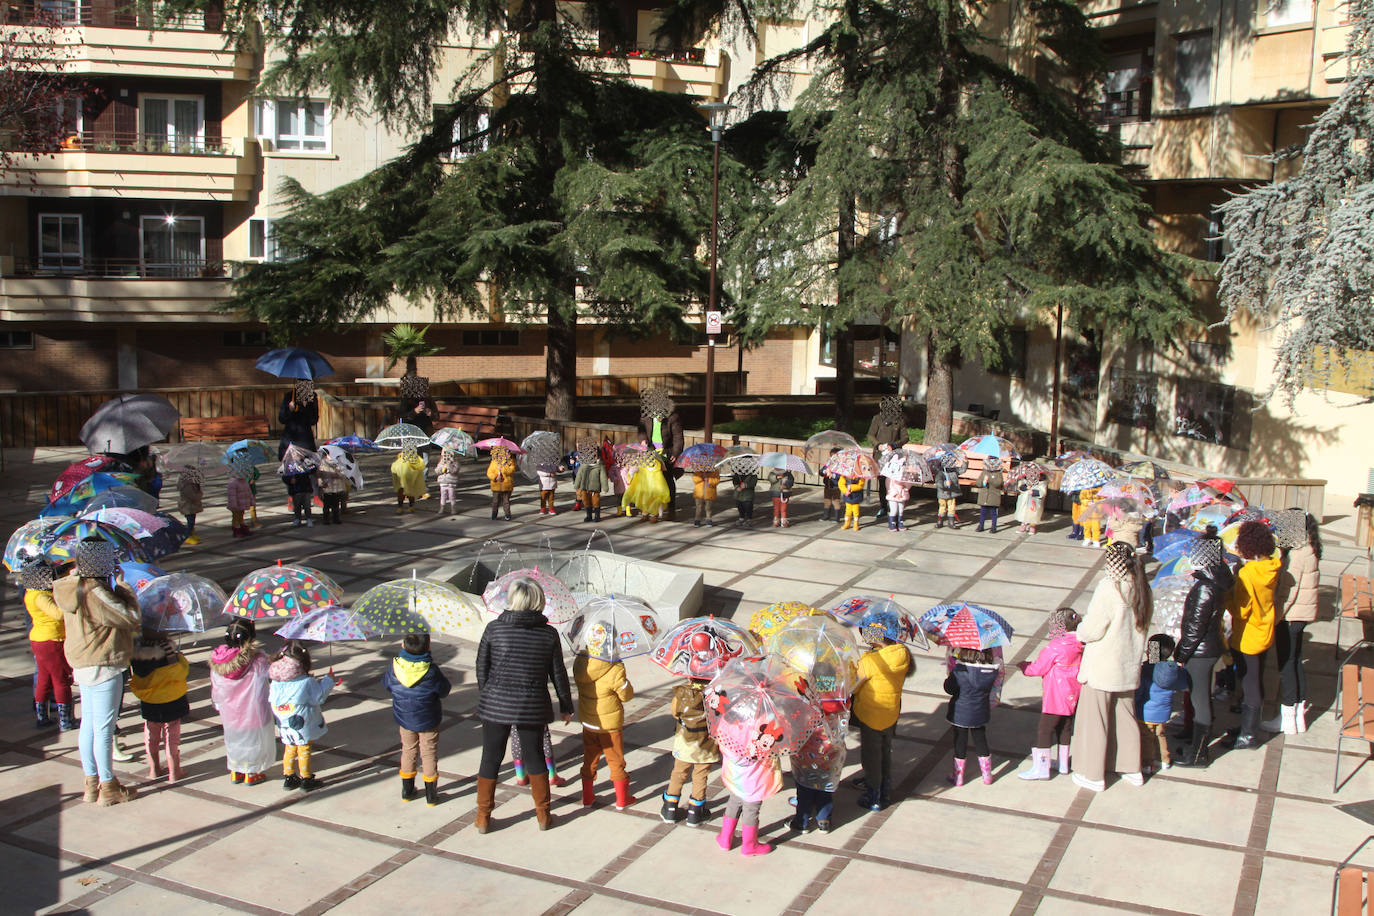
(518, 655)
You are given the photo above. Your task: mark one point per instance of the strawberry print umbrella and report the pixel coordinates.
(282, 591)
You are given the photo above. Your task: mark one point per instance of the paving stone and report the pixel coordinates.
(435, 885)
(936, 893)
(1106, 864)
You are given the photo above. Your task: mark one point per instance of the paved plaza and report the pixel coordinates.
(1255, 833)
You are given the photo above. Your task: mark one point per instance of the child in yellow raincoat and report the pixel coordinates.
(852, 492)
(408, 478)
(1089, 522)
(648, 489)
(501, 475)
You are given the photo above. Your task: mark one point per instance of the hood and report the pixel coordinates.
(1067, 647)
(409, 672)
(233, 661)
(526, 619)
(1263, 572)
(897, 656)
(285, 669)
(64, 591)
(597, 667)
(1220, 576)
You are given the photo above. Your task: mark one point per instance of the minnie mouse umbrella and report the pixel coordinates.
(761, 707)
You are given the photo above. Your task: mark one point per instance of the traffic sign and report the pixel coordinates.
(714, 321)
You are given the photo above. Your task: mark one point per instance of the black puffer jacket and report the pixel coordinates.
(1200, 628)
(518, 656)
(297, 426)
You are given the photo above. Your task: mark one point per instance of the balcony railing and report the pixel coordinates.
(1124, 107)
(118, 268)
(110, 14)
(104, 141)
(648, 52)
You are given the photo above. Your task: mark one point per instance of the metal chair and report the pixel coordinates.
(1356, 705)
(1350, 886)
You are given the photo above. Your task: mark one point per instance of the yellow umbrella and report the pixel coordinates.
(767, 620)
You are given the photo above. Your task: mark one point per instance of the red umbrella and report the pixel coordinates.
(77, 472)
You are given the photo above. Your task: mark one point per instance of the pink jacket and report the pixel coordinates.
(240, 495)
(1057, 663)
(751, 778)
(898, 490)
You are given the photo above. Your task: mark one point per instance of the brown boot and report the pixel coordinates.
(486, 800)
(112, 793)
(539, 788)
(92, 789)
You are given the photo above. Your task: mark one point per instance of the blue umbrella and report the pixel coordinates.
(138, 575)
(166, 540)
(294, 362)
(1174, 544)
(254, 451)
(965, 625)
(358, 443)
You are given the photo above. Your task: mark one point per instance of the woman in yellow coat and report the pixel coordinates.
(501, 475)
(1251, 605)
(408, 477)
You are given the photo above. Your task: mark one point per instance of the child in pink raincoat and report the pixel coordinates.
(1057, 664)
(750, 780)
(238, 688)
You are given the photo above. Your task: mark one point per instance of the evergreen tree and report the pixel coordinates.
(1302, 250)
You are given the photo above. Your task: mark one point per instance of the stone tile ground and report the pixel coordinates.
(1257, 832)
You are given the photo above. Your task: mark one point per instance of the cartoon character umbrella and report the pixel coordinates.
(701, 457)
(499, 442)
(699, 646)
(964, 625)
(895, 621)
(456, 439)
(206, 457)
(760, 707)
(354, 444)
(294, 362)
(30, 541)
(739, 459)
(253, 451)
(541, 450)
(766, 621)
(1194, 494)
(1086, 474)
(129, 422)
(817, 450)
(121, 497)
(995, 446)
(1128, 488)
(949, 456)
(908, 466)
(78, 471)
(398, 435)
(854, 463)
(66, 537)
(282, 591)
(1173, 544)
(345, 464)
(1144, 470)
(157, 533)
(784, 461)
(179, 602)
(1215, 514)
(328, 624)
(822, 649)
(559, 604)
(614, 627)
(403, 605)
(138, 575)
(297, 459)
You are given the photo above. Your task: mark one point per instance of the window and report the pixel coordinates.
(60, 10)
(1208, 412)
(491, 337)
(1128, 86)
(255, 340)
(172, 246)
(1206, 353)
(1133, 399)
(16, 340)
(1193, 70)
(1286, 12)
(1012, 360)
(172, 122)
(293, 124)
(1218, 247)
(262, 241)
(469, 132)
(59, 241)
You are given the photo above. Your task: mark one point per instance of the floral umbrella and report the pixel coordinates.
(854, 463)
(73, 531)
(701, 457)
(766, 621)
(1086, 474)
(206, 457)
(967, 626)
(179, 603)
(1029, 471)
(121, 497)
(784, 461)
(282, 591)
(456, 439)
(403, 606)
(995, 446)
(699, 646)
(760, 707)
(354, 444)
(30, 541)
(614, 627)
(823, 649)
(908, 466)
(818, 447)
(253, 451)
(496, 442)
(398, 435)
(1144, 470)
(629, 454)
(327, 624)
(559, 604)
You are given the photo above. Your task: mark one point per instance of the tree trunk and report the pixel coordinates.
(560, 366)
(843, 342)
(939, 396)
(412, 368)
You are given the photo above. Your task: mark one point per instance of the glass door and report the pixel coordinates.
(173, 124)
(172, 246)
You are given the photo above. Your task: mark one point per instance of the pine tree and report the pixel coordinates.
(1301, 257)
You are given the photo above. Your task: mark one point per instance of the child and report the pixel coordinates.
(447, 473)
(548, 484)
(970, 684)
(333, 488)
(852, 492)
(877, 705)
(239, 690)
(1089, 519)
(240, 498)
(1160, 676)
(830, 490)
(704, 485)
(603, 689)
(1126, 529)
(780, 485)
(408, 478)
(47, 635)
(817, 766)
(297, 471)
(694, 750)
(1057, 665)
(947, 492)
(989, 487)
(517, 759)
(417, 685)
(296, 698)
(190, 500)
(749, 780)
(745, 484)
(590, 479)
(1080, 503)
(621, 471)
(159, 682)
(1030, 504)
(898, 492)
(648, 490)
(501, 475)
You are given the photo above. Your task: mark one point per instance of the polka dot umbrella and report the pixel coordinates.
(560, 606)
(276, 592)
(766, 621)
(460, 614)
(404, 606)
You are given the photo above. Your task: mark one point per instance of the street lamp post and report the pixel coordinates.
(715, 111)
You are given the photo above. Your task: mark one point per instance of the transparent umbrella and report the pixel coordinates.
(824, 650)
(559, 604)
(399, 607)
(760, 707)
(614, 627)
(282, 591)
(180, 603)
(817, 450)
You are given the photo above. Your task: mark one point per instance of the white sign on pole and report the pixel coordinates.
(714, 321)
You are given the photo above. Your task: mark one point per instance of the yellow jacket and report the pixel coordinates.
(163, 684)
(603, 689)
(46, 615)
(878, 701)
(502, 475)
(1251, 604)
(704, 485)
(408, 477)
(1085, 499)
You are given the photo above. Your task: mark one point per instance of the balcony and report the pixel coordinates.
(698, 72)
(112, 164)
(108, 289)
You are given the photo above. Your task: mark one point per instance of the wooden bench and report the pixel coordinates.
(1356, 705)
(478, 422)
(1357, 603)
(1351, 886)
(230, 429)
(969, 476)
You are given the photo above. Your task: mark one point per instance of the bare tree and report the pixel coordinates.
(36, 93)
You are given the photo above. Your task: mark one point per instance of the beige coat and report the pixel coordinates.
(1112, 646)
(1296, 595)
(100, 623)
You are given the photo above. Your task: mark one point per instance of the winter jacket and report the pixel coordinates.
(501, 474)
(947, 484)
(603, 689)
(989, 487)
(878, 701)
(1112, 646)
(417, 685)
(299, 483)
(1199, 630)
(1030, 504)
(424, 419)
(744, 485)
(548, 480)
(159, 682)
(970, 694)
(100, 622)
(670, 440)
(45, 617)
(704, 484)
(240, 495)
(408, 477)
(692, 742)
(819, 762)
(830, 484)
(1154, 698)
(1251, 604)
(447, 472)
(1057, 664)
(1296, 594)
(190, 496)
(752, 779)
(297, 426)
(591, 477)
(893, 433)
(239, 686)
(898, 490)
(517, 658)
(780, 484)
(852, 491)
(296, 705)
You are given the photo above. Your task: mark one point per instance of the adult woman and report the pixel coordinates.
(417, 407)
(1113, 635)
(887, 426)
(100, 625)
(519, 654)
(1300, 540)
(1253, 618)
(1199, 643)
(661, 427)
(300, 411)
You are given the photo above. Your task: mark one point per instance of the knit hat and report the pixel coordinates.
(36, 576)
(656, 403)
(1060, 622)
(96, 559)
(1205, 552)
(1290, 527)
(1120, 561)
(414, 386)
(305, 391)
(285, 668)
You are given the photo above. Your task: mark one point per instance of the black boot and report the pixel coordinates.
(1249, 736)
(940, 521)
(408, 787)
(432, 791)
(40, 711)
(596, 514)
(1196, 754)
(668, 813)
(588, 516)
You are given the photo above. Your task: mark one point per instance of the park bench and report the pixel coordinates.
(1357, 603)
(229, 429)
(969, 476)
(478, 422)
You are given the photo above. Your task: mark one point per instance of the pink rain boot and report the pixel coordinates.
(957, 777)
(985, 764)
(726, 839)
(750, 845)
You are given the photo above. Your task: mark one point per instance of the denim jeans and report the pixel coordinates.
(815, 803)
(99, 710)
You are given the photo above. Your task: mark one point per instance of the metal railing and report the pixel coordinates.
(1125, 107)
(105, 141)
(118, 268)
(648, 52)
(110, 14)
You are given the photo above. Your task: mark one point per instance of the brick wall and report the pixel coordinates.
(177, 356)
(64, 357)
